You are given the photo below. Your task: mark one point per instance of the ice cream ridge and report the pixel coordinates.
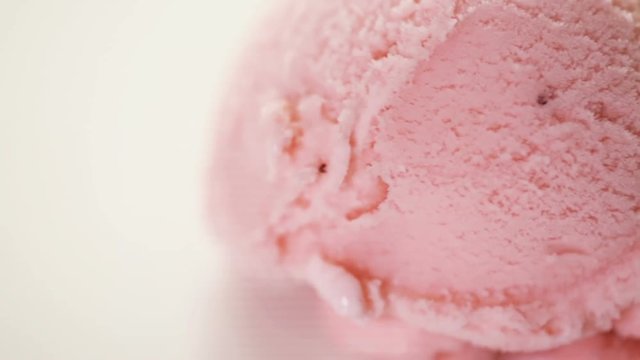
(468, 168)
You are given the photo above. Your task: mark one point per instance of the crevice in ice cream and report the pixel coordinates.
(369, 200)
(629, 323)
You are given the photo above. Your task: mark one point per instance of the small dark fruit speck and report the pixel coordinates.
(543, 100)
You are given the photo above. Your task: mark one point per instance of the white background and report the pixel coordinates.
(106, 111)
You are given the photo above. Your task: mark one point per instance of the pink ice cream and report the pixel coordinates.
(470, 168)
(389, 340)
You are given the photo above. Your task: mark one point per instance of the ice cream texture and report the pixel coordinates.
(469, 167)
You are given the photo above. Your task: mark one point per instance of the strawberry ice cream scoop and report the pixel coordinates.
(469, 167)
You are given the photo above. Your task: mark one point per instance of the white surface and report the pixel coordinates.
(105, 121)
